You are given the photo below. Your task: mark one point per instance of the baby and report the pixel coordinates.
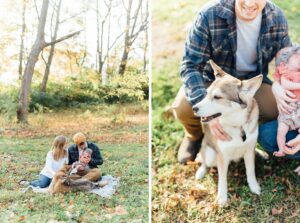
(82, 166)
(288, 75)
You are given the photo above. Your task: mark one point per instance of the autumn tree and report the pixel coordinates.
(132, 30)
(38, 46)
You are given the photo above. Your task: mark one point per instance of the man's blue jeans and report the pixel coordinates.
(42, 182)
(267, 138)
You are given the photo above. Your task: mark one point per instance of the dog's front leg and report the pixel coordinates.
(222, 181)
(249, 159)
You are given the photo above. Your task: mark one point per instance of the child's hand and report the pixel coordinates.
(279, 153)
(293, 146)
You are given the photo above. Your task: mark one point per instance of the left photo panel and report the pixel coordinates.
(74, 105)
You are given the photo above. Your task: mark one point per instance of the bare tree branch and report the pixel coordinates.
(73, 16)
(36, 9)
(115, 41)
(62, 38)
(42, 55)
(136, 17)
(51, 21)
(124, 5)
(142, 28)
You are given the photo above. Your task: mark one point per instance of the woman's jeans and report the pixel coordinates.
(267, 138)
(42, 182)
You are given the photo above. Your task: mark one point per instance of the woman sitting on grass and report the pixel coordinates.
(55, 160)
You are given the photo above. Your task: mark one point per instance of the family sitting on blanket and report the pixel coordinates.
(81, 159)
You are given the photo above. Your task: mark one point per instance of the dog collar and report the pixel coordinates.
(243, 134)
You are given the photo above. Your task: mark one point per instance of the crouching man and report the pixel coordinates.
(76, 154)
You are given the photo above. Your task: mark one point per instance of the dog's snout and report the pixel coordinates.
(195, 109)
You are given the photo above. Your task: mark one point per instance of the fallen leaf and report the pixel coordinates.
(22, 218)
(277, 211)
(120, 211)
(198, 191)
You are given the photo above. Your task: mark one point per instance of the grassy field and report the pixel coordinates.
(176, 195)
(121, 131)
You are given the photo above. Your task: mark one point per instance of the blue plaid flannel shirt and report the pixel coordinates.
(214, 36)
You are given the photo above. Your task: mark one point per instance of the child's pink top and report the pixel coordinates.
(294, 76)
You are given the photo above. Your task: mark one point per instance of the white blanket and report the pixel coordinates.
(107, 191)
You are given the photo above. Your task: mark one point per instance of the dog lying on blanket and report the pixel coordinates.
(232, 101)
(67, 180)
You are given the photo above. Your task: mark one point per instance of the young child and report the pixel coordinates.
(288, 75)
(82, 166)
(56, 158)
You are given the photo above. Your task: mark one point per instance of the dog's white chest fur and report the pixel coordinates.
(236, 148)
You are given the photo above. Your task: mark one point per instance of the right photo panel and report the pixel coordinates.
(225, 111)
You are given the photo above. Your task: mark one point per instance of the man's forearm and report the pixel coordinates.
(193, 83)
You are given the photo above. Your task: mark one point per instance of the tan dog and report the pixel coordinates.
(63, 182)
(232, 101)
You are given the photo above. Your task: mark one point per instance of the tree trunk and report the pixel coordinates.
(126, 41)
(145, 51)
(124, 59)
(104, 75)
(146, 41)
(21, 54)
(51, 53)
(22, 111)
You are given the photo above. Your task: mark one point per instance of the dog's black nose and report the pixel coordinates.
(195, 109)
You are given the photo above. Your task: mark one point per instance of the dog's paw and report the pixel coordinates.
(222, 200)
(200, 173)
(255, 188)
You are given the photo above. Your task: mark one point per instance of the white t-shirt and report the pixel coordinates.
(247, 37)
(52, 166)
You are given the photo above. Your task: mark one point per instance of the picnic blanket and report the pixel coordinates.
(107, 191)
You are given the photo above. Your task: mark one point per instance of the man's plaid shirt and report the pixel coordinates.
(214, 36)
(96, 158)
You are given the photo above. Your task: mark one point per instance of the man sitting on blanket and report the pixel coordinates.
(76, 155)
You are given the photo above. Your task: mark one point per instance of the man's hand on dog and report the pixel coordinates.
(218, 131)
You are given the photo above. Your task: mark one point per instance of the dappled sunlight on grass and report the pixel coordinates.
(123, 144)
(106, 123)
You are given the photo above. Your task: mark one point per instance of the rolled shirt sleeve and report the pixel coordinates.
(196, 54)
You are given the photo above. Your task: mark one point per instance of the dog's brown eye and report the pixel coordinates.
(217, 97)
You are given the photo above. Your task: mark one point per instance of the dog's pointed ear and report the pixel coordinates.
(249, 87)
(218, 72)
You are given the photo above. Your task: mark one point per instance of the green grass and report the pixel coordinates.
(176, 195)
(23, 158)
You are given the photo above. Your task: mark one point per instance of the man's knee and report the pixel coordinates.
(267, 136)
(268, 110)
(181, 113)
(93, 175)
(182, 109)
(97, 173)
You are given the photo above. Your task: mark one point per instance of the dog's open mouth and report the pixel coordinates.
(209, 118)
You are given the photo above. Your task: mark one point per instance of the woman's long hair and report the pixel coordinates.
(59, 147)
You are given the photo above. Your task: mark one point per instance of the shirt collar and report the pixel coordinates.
(226, 11)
